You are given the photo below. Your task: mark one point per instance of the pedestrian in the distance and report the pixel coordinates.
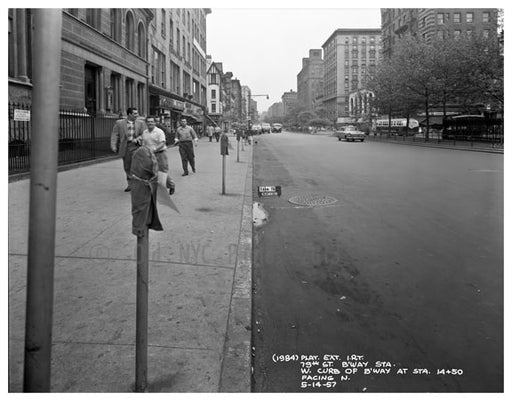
(217, 132)
(126, 138)
(154, 138)
(210, 130)
(186, 138)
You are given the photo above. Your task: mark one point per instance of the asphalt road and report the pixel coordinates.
(405, 269)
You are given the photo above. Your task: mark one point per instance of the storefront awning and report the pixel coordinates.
(192, 118)
(211, 119)
(433, 121)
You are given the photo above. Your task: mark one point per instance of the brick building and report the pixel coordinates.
(177, 86)
(310, 80)
(289, 101)
(350, 61)
(430, 23)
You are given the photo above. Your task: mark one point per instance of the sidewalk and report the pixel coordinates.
(199, 280)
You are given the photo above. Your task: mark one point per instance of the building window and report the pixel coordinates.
(140, 98)
(456, 33)
(163, 27)
(129, 92)
(214, 108)
(158, 69)
(469, 32)
(171, 36)
(469, 17)
(440, 35)
(456, 18)
(486, 16)
(176, 76)
(178, 47)
(130, 31)
(115, 102)
(214, 94)
(486, 33)
(141, 37)
(115, 24)
(184, 46)
(440, 18)
(93, 17)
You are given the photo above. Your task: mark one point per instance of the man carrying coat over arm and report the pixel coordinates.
(126, 138)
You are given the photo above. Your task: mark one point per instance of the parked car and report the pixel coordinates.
(257, 129)
(349, 133)
(276, 127)
(265, 127)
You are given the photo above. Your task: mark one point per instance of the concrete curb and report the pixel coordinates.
(236, 369)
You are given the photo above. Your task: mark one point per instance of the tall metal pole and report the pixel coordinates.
(43, 193)
(141, 325)
(223, 174)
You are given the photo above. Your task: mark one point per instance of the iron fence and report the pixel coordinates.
(495, 141)
(82, 137)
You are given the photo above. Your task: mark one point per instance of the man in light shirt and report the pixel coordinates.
(154, 138)
(185, 136)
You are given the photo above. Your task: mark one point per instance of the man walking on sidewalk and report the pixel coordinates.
(210, 132)
(154, 139)
(184, 137)
(126, 137)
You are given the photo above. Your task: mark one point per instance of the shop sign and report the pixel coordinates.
(21, 115)
(177, 104)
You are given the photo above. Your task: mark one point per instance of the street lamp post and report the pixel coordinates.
(248, 122)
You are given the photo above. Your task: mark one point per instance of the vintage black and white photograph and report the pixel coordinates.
(256, 198)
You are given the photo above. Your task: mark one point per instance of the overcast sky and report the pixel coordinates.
(264, 47)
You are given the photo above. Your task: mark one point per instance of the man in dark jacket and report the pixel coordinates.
(126, 138)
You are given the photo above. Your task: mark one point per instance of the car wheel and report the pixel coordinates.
(339, 138)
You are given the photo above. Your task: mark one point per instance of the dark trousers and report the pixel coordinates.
(187, 155)
(217, 136)
(127, 159)
(211, 137)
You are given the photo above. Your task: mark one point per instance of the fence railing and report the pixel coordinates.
(81, 137)
(495, 141)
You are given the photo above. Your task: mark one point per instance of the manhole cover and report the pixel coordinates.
(313, 200)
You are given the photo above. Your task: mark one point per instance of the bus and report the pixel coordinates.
(398, 126)
(473, 128)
